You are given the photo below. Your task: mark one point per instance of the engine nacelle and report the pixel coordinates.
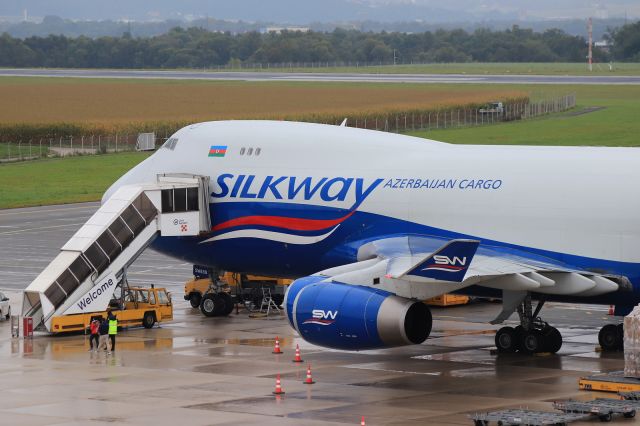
(344, 316)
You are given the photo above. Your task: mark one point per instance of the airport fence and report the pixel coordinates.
(399, 122)
(64, 146)
(403, 122)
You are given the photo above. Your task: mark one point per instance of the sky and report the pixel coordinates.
(305, 11)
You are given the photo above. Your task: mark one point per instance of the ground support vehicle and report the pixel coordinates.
(604, 408)
(137, 306)
(214, 298)
(525, 417)
(448, 300)
(614, 381)
(217, 297)
(92, 265)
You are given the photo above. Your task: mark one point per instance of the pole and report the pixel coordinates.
(590, 54)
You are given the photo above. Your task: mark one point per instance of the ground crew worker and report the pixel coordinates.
(103, 330)
(113, 330)
(94, 339)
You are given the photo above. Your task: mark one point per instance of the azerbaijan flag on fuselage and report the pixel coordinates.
(217, 150)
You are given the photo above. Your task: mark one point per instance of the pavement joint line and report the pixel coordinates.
(21, 231)
(8, 212)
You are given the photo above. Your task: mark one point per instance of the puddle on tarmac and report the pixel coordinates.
(248, 342)
(57, 346)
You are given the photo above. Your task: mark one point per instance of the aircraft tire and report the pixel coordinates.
(531, 342)
(220, 304)
(506, 340)
(609, 338)
(552, 339)
(228, 304)
(519, 332)
(195, 299)
(209, 305)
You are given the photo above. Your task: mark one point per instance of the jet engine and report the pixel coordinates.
(352, 317)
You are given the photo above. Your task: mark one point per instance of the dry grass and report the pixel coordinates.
(121, 103)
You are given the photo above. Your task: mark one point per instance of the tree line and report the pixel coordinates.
(197, 47)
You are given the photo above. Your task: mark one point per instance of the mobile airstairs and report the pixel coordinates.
(91, 265)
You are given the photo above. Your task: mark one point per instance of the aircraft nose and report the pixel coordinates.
(144, 172)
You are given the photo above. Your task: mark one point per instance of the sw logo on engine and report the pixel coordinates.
(322, 317)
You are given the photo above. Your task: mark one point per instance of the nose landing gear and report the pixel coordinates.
(532, 335)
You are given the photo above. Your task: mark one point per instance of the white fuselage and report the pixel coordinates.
(574, 201)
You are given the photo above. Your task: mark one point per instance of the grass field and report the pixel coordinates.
(62, 180)
(618, 124)
(531, 68)
(113, 102)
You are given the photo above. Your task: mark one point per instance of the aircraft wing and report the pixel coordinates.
(420, 267)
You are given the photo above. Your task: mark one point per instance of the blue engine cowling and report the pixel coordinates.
(352, 317)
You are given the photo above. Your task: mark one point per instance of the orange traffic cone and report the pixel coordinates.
(276, 348)
(612, 310)
(297, 358)
(278, 390)
(362, 422)
(308, 380)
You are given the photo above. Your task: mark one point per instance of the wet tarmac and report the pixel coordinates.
(220, 371)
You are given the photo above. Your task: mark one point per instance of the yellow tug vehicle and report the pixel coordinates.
(138, 306)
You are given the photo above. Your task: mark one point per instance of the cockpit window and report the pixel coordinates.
(170, 143)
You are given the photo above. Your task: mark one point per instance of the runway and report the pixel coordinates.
(220, 371)
(323, 77)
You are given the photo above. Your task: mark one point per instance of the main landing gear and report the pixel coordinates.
(532, 335)
(611, 337)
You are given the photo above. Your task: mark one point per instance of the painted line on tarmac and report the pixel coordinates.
(62, 209)
(39, 229)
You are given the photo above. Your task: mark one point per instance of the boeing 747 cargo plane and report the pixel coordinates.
(372, 223)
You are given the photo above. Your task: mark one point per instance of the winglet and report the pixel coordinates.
(449, 263)
(344, 123)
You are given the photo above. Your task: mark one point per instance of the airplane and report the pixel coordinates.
(371, 223)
